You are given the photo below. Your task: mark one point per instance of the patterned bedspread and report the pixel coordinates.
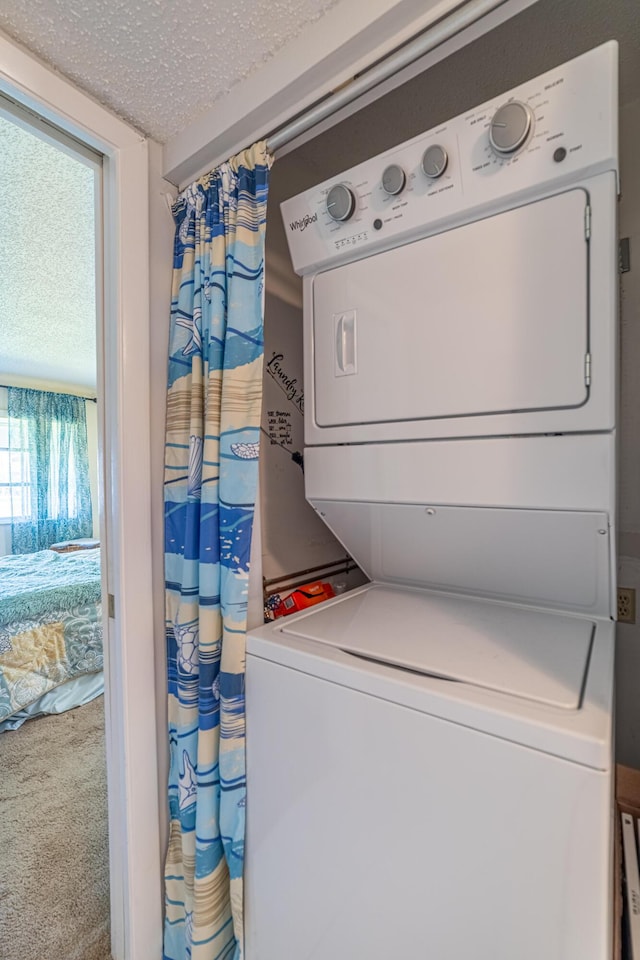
(38, 584)
(40, 652)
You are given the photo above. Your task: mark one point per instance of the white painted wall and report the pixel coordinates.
(161, 232)
(130, 691)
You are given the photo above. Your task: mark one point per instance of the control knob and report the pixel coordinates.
(510, 127)
(393, 179)
(434, 161)
(341, 202)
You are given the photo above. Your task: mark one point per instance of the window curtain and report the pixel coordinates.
(48, 449)
(211, 470)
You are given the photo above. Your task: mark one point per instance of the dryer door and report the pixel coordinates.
(488, 318)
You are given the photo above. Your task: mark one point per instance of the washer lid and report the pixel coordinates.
(508, 649)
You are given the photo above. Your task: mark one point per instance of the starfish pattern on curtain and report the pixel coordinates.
(211, 470)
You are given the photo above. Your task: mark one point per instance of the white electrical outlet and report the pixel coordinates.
(626, 605)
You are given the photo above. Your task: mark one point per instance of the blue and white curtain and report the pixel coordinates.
(48, 469)
(211, 471)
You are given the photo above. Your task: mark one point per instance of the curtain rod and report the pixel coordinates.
(12, 386)
(435, 35)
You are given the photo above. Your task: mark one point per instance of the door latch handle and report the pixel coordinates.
(345, 355)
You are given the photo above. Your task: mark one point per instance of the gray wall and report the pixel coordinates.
(628, 651)
(543, 36)
(293, 536)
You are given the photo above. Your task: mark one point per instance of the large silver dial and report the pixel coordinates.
(510, 127)
(341, 202)
(434, 161)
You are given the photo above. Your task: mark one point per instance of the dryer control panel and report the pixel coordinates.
(548, 131)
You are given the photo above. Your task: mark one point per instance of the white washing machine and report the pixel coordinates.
(429, 757)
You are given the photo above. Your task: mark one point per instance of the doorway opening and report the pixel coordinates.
(53, 822)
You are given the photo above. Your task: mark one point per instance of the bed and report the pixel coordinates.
(51, 654)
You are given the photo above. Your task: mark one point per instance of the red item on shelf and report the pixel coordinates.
(303, 597)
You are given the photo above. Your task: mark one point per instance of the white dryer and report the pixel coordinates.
(429, 758)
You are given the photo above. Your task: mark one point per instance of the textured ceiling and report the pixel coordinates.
(47, 258)
(157, 63)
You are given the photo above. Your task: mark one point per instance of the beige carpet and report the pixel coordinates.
(54, 868)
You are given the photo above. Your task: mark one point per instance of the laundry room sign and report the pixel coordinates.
(289, 384)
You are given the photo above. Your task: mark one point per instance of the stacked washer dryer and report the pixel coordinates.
(430, 756)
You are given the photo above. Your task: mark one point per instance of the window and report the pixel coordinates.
(62, 499)
(15, 484)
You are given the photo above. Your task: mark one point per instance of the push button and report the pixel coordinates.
(559, 154)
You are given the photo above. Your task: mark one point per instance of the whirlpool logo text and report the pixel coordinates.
(302, 224)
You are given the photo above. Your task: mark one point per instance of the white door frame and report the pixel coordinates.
(130, 701)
